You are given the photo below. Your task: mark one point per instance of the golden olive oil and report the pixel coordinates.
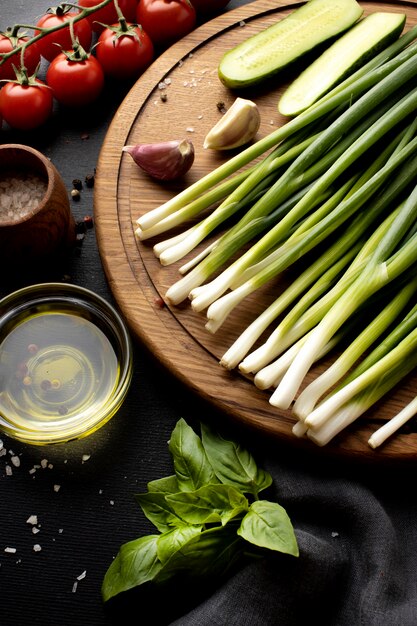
(57, 372)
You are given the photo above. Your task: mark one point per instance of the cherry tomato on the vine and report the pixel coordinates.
(209, 6)
(26, 106)
(53, 44)
(75, 83)
(166, 21)
(124, 55)
(32, 56)
(108, 14)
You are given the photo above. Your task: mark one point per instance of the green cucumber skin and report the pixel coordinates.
(301, 84)
(234, 70)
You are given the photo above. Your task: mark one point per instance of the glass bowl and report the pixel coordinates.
(65, 363)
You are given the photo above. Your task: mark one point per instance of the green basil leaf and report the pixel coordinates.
(209, 504)
(173, 540)
(191, 465)
(267, 525)
(210, 553)
(233, 464)
(136, 563)
(168, 484)
(158, 510)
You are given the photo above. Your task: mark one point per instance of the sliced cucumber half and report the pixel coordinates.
(363, 41)
(271, 50)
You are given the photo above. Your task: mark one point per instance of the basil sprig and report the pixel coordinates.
(208, 514)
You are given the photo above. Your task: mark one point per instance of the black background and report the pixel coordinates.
(83, 524)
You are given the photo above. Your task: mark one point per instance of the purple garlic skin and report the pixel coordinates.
(165, 160)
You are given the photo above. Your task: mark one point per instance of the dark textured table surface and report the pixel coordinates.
(356, 526)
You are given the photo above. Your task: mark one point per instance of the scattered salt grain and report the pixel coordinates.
(20, 194)
(3, 452)
(10, 550)
(74, 587)
(190, 129)
(335, 534)
(60, 530)
(111, 502)
(44, 463)
(85, 457)
(35, 530)
(32, 519)
(9, 470)
(57, 488)
(15, 460)
(83, 575)
(37, 548)
(1, 444)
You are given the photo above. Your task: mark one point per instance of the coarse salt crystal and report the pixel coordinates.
(10, 550)
(44, 463)
(20, 194)
(32, 519)
(85, 457)
(35, 530)
(57, 488)
(15, 460)
(74, 587)
(37, 548)
(82, 575)
(9, 470)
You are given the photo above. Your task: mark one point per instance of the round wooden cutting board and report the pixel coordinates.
(186, 77)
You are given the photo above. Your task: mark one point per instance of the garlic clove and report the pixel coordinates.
(237, 127)
(165, 160)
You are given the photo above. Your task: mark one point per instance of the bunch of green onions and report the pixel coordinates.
(332, 191)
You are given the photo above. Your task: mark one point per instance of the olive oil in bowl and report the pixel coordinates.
(65, 363)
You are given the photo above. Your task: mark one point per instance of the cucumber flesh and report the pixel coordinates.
(271, 50)
(342, 58)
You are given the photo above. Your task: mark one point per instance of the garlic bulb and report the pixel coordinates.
(237, 127)
(166, 160)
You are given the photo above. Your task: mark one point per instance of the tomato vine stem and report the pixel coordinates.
(20, 48)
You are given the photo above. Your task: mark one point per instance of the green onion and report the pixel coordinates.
(309, 397)
(378, 273)
(394, 424)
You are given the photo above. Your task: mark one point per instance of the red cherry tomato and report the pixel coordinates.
(32, 56)
(51, 45)
(209, 6)
(108, 14)
(124, 56)
(166, 21)
(26, 106)
(75, 83)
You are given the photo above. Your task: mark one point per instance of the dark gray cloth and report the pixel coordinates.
(357, 562)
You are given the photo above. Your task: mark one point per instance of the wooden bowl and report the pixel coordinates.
(45, 231)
